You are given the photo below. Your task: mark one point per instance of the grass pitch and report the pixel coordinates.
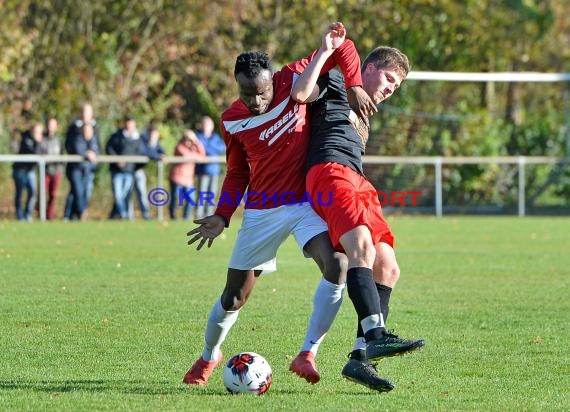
(110, 315)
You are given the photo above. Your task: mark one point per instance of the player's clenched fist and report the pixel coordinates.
(334, 37)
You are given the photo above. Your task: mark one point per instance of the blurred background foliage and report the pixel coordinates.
(171, 61)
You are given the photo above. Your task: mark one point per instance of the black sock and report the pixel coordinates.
(364, 296)
(384, 293)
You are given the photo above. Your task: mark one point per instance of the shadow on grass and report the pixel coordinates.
(143, 388)
(126, 387)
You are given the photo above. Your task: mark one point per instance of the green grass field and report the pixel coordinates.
(110, 315)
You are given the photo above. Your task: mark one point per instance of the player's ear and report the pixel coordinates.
(370, 67)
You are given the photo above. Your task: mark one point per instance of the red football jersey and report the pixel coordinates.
(267, 154)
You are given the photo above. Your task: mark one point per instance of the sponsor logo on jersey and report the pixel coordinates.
(283, 124)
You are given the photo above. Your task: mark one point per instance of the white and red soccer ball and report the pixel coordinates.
(247, 372)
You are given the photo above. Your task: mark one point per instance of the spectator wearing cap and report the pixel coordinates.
(126, 141)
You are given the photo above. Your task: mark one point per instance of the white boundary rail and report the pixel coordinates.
(42, 160)
(436, 161)
(489, 77)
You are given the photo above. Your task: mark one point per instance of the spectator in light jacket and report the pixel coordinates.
(182, 174)
(208, 173)
(52, 145)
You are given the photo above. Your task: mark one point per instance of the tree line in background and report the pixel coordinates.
(172, 61)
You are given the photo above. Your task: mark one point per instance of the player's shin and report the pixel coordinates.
(364, 296)
(384, 293)
(219, 324)
(326, 304)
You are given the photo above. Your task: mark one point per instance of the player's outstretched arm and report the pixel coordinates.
(305, 89)
(210, 228)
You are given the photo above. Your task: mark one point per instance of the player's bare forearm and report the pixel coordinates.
(305, 89)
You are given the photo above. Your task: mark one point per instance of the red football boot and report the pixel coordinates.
(201, 371)
(304, 366)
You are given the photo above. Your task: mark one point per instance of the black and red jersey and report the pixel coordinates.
(333, 135)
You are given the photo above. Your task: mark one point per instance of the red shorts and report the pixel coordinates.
(345, 200)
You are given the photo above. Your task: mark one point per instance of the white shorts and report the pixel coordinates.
(264, 230)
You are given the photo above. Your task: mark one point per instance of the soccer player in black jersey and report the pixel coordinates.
(354, 217)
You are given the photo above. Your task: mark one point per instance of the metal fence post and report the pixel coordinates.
(522, 195)
(159, 183)
(438, 187)
(42, 188)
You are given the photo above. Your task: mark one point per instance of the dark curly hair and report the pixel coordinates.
(252, 63)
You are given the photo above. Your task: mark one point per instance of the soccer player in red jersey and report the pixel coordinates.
(267, 139)
(355, 220)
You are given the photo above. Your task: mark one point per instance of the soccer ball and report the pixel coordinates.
(247, 372)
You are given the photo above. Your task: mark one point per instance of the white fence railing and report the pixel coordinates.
(42, 160)
(436, 161)
(489, 77)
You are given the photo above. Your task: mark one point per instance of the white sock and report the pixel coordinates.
(359, 344)
(219, 324)
(326, 303)
(371, 322)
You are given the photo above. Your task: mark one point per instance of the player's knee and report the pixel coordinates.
(390, 274)
(233, 299)
(359, 247)
(363, 255)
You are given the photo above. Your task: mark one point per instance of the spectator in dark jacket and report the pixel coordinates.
(154, 151)
(73, 141)
(80, 174)
(124, 142)
(24, 173)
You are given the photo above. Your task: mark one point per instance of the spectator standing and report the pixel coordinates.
(52, 145)
(82, 142)
(208, 173)
(75, 138)
(154, 151)
(21, 123)
(126, 141)
(182, 174)
(24, 173)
